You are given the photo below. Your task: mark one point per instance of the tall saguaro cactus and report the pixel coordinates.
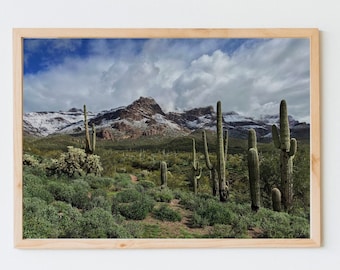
(89, 147)
(254, 171)
(164, 174)
(197, 169)
(288, 149)
(221, 154)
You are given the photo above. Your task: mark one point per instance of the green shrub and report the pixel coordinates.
(161, 195)
(135, 229)
(40, 220)
(61, 191)
(128, 195)
(214, 212)
(98, 223)
(220, 231)
(132, 204)
(146, 184)
(96, 182)
(280, 225)
(100, 201)
(122, 181)
(82, 194)
(34, 186)
(165, 213)
(198, 221)
(69, 220)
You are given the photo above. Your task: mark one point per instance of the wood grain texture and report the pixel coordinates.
(316, 229)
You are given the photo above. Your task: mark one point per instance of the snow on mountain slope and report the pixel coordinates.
(47, 123)
(144, 117)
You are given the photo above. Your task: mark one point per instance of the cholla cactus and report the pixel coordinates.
(221, 153)
(75, 162)
(288, 149)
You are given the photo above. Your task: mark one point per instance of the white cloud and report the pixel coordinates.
(251, 79)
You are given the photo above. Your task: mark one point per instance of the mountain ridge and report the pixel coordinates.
(144, 117)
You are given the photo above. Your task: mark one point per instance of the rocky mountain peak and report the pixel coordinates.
(144, 107)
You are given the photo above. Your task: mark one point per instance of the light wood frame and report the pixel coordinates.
(315, 182)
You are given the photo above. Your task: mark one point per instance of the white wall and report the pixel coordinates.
(178, 13)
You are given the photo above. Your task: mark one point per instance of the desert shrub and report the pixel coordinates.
(100, 201)
(61, 191)
(134, 228)
(81, 196)
(69, 220)
(122, 181)
(198, 221)
(75, 163)
(98, 223)
(128, 195)
(220, 231)
(132, 204)
(40, 220)
(161, 195)
(187, 199)
(96, 182)
(146, 184)
(165, 213)
(280, 224)
(214, 212)
(34, 186)
(137, 210)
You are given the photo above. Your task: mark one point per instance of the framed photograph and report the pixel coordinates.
(166, 138)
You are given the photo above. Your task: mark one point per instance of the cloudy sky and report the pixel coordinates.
(249, 76)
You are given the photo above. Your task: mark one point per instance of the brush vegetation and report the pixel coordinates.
(117, 192)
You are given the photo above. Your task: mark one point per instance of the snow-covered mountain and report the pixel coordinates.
(144, 117)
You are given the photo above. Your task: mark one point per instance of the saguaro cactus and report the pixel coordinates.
(197, 169)
(276, 199)
(253, 171)
(221, 153)
(89, 147)
(164, 174)
(252, 140)
(288, 149)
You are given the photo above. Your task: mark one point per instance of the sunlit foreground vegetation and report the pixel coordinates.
(118, 193)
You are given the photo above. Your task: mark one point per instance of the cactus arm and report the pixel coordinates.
(276, 136)
(197, 170)
(225, 143)
(276, 199)
(206, 151)
(293, 147)
(288, 149)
